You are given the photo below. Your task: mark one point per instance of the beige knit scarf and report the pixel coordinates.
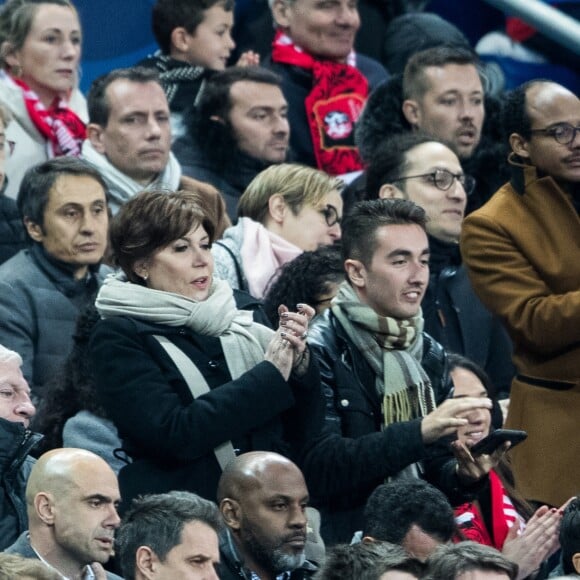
(243, 341)
(393, 348)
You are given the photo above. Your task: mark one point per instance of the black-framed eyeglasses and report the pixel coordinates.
(563, 134)
(331, 216)
(443, 179)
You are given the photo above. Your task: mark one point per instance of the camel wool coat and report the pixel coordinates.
(522, 251)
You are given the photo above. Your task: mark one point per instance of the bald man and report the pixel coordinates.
(71, 498)
(262, 498)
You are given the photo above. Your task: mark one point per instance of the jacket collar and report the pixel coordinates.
(16, 441)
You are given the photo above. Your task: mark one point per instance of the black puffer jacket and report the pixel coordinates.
(12, 233)
(354, 453)
(15, 443)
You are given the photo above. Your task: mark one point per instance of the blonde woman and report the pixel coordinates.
(287, 209)
(39, 55)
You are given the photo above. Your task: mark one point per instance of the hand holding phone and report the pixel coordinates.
(497, 438)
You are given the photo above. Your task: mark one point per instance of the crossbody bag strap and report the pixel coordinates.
(197, 384)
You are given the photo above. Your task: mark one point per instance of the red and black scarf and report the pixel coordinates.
(338, 94)
(62, 128)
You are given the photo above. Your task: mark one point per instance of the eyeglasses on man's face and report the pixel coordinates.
(443, 179)
(330, 214)
(563, 133)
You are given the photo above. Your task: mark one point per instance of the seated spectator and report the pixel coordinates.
(238, 127)
(41, 51)
(469, 561)
(441, 93)
(325, 83)
(489, 516)
(16, 441)
(129, 140)
(369, 561)
(43, 288)
(570, 540)
(183, 371)
(409, 513)
(71, 498)
(13, 566)
(384, 379)
(414, 166)
(194, 39)
(311, 278)
(286, 210)
(169, 536)
(71, 415)
(263, 500)
(12, 232)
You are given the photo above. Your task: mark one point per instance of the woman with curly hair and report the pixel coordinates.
(311, 278)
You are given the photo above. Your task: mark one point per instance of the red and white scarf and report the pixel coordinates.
(63, 129)
(503, 517)
(339, 92)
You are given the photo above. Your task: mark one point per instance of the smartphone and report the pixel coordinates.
(498, 437)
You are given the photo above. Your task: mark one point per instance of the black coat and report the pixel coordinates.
(15, 464)
(170, 436)
(456, 317)
(12, 233)
(354, 453)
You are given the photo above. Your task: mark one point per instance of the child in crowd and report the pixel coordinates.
(194, 39)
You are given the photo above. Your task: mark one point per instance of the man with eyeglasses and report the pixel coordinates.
(385, 380)
(522, 251)
(441, 92)
(417, 167)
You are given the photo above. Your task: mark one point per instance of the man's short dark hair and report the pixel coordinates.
(157, 521)
(366, 561)
(167, 15)
(451, 560)
(215, 99)
(570, 535)
(515, 117)
(37, 182)
(360, 225)
(415, 83)
(388, 161)
(97, 102)
(217, 138)
(393, 508)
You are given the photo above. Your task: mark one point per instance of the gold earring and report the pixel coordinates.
(16, 70)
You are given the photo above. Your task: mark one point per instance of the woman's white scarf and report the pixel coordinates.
(243, 341)
(121, 188)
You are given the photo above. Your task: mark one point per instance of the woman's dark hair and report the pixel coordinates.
(304, 280)
(150, 221)
(73, 390)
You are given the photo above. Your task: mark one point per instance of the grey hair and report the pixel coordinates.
(7, 355)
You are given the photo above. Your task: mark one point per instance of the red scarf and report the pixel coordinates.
(338, 94)
(503, 517)
(62, 128)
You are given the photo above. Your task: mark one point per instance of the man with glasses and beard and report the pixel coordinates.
(263, 499)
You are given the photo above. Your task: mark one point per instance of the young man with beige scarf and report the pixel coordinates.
(385, 380)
